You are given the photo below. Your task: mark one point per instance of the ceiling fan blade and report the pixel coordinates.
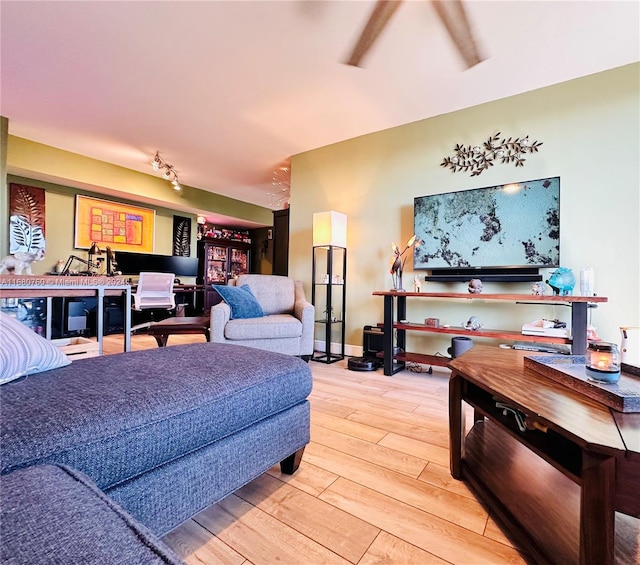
(453, 16)
(379, 18)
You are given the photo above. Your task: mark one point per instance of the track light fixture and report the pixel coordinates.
(157, 162)
(168, 172)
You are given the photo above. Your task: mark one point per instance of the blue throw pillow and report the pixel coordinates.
(241, 300)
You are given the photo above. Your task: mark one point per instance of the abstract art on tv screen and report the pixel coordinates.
(122, 227)
(509, 225)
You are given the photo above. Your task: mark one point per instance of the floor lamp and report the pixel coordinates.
(328, 289)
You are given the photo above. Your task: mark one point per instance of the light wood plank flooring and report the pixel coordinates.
(373, 487)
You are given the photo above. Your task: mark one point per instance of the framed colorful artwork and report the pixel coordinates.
(122, 227)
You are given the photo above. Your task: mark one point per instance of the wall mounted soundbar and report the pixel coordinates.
(515, 274)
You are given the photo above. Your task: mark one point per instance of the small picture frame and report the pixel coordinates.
(324, 279)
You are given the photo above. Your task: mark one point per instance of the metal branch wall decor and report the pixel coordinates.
(476, 159)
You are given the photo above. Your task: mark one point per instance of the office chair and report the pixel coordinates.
(154, 292)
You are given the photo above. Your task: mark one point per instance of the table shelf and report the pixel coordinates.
(509, 297)
(497, 334)
(395, 309)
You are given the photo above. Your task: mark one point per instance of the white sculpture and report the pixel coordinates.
(20, 263)
(537, 289)
(417, 285)
(475, 286)
(473, 324)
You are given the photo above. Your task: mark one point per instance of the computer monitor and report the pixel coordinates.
(134, 263)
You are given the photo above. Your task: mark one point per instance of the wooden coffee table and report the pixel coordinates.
(564, 478)
(179, 325)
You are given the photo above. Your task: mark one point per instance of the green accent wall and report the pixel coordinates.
(64, 174)
(590, 129)
(34, 160)
(60, 223)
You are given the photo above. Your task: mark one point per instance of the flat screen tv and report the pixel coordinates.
(496, 227)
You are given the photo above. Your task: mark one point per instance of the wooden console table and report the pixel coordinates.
(25, 286)
(567, 486)
(393, 364)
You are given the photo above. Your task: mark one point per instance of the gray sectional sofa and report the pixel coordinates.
(163, 433)
(52, 514)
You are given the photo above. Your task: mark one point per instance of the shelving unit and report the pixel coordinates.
(328, 295)
(395, 363)
(218, 261)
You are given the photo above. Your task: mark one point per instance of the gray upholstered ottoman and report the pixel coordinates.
(164, 432)
(55, 515)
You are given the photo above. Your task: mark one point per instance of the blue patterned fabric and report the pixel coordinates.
(164, 432)
(165, 497)
(52, 514)
(117, 417)
(241, 300)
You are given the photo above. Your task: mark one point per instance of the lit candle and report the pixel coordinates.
(603, 362)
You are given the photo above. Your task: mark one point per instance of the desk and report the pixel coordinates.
(24, 286)
(558, 483)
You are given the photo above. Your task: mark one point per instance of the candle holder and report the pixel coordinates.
(603, 362)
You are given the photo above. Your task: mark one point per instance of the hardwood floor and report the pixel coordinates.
(373, 487)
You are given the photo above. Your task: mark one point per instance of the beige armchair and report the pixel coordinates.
(286, 327)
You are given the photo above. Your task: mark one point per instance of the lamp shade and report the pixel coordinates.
(329, 228)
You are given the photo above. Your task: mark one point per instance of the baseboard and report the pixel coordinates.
(349, 350)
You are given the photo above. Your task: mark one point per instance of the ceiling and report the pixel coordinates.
(227, 91)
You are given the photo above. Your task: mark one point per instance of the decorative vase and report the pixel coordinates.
(399, 281)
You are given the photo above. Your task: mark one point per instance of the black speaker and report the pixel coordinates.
(113, 319)
(372, 338)
(371, 345)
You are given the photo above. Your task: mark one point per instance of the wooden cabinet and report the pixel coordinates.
(218, 261)
(395, 363)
